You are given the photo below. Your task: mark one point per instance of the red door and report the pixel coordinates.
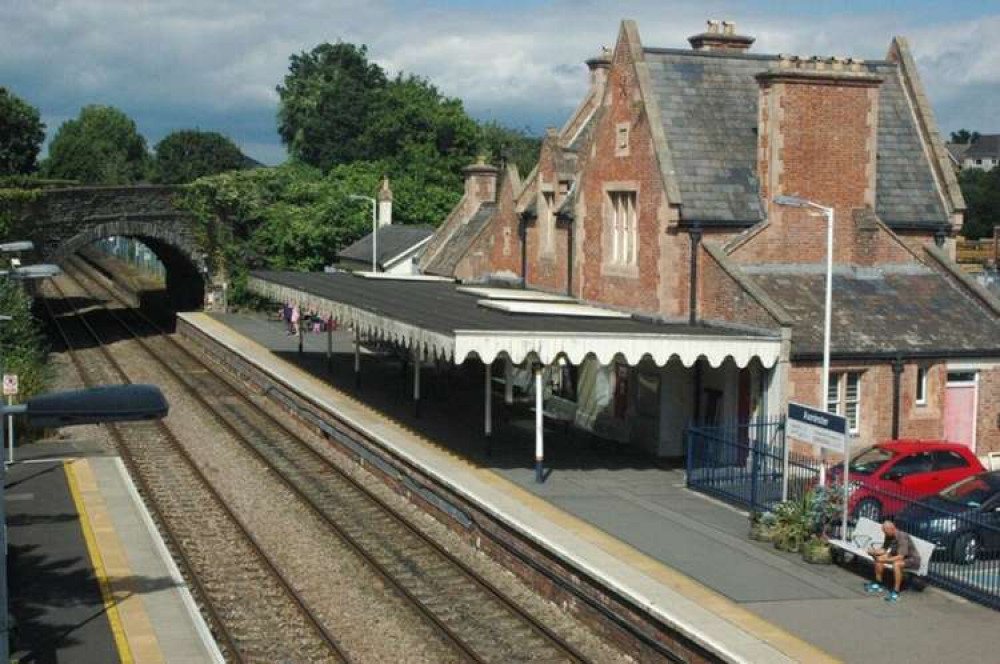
(960, 409)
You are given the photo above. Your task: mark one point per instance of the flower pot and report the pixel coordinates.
(761, 533)
(817, 552)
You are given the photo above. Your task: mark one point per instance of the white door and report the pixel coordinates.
(960, 399)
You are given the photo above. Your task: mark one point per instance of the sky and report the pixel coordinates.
(214, 65)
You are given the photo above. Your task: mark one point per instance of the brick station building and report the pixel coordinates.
(657, 198)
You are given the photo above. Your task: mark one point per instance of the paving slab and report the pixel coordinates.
(91, 580)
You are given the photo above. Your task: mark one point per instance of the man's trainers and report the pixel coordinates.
(893, 596)
(873, 587)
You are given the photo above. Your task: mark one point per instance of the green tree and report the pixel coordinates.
(326, 102)
(964, 136)
(101, 146)
(184, 156)
(503, 145)
(21, 134)
(981, 190)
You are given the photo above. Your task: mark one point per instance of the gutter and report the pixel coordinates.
(891, 355)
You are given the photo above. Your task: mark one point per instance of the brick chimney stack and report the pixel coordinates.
(481, 181)
(599, 66)
(720, 36)
(385, 204)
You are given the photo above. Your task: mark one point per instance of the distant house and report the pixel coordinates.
(983, 154)
(398, 248)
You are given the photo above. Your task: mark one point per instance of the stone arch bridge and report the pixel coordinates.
(63, 221)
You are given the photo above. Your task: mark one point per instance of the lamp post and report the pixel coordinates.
(797, 202)
(114, 403)
(358, 197)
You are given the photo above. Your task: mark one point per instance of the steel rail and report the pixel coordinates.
(542, 630)
(132, 464)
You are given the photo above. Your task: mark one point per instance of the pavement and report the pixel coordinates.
(90, 580)
(647, 516)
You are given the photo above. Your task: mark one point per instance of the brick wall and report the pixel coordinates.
(988, 420)
(547, 260)
(722, 298)
(650, 285)
(497, 252)
(817, 139)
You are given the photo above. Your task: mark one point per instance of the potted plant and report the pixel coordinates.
(791, 525)
(823, 507)
(816, 550)
(762, 526)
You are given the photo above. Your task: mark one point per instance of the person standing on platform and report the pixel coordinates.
(295, 319)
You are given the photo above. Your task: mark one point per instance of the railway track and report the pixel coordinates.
(477, 618)
(254, 612)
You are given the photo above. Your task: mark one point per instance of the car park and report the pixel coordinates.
(963, 521)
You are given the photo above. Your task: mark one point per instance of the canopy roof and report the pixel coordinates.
(441, 321)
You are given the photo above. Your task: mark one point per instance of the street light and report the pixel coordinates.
(797, 202)
(358, 197)
(40, 271)
(13, 247)
(113, 403)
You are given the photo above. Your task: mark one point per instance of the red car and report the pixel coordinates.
(883, 477)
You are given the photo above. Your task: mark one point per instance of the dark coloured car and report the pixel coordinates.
(963, 521)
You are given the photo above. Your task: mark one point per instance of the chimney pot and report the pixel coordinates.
(720, 36)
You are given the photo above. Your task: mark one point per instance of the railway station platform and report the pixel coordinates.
(91, 582)
(619, 515)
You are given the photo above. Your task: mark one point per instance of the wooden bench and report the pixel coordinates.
(868, 535)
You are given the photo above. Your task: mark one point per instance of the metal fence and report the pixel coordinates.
(742, 464)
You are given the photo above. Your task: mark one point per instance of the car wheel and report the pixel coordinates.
(869, 508)
(965, 550)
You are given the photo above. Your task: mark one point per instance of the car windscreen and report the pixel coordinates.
(973, 491)
(869, 461)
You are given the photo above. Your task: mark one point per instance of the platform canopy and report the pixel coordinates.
(447, 321)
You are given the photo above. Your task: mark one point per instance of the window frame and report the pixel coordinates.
(549, 223)
(840, 381)
(920, 394)
(623, 205)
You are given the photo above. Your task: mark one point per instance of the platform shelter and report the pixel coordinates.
(632, 379)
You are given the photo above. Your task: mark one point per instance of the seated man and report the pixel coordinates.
(898, 552)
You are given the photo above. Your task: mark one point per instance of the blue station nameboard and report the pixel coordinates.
(817, 427)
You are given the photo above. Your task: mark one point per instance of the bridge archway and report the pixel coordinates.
(187, 272)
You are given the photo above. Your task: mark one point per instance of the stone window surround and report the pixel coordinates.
(623, 139)
(547, 221)
(608, 267)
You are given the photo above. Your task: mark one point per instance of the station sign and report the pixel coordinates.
(9, 385)
(817, 427)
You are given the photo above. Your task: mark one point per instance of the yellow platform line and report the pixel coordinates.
(110, 606)
(791, 645)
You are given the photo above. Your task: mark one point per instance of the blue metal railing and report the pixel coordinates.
(742, 464)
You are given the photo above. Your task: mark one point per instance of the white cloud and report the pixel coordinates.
(173, 63)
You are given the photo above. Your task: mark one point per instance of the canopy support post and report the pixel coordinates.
(508, 381)
(416, 382)
(539, 428)
(488, 410)
(329, 345)
(357, 358)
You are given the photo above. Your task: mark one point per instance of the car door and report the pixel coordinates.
(990, 518)
(913, 475)
(949, 467)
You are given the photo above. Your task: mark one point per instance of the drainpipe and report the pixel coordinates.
(523, 230)
(897, 374)
(695, 233)
(569, 261)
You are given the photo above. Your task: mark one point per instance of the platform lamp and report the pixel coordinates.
(359, 197)
(96, 405)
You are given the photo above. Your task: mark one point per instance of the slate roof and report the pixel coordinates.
(708, 105)
(987, 146)
(905, 309)
(460, 242)
(393, 240)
